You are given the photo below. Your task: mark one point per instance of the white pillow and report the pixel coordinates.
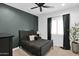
(32, 37)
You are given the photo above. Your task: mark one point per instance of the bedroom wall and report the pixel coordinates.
(42, 25)
(12, 20)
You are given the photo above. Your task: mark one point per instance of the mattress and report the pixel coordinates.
(37, 43)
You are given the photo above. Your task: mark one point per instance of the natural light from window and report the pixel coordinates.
(57, 25)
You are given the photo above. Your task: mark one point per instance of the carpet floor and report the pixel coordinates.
(55, 51)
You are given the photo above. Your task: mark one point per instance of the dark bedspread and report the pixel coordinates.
(37, 43)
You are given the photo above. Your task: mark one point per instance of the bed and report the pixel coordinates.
(37, 47)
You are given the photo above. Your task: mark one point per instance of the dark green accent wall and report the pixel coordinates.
(12, 20)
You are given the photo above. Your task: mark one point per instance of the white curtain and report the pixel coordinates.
(57, 31)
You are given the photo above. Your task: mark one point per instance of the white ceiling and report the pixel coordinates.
(57, 6)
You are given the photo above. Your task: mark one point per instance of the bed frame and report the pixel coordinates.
(32, 47)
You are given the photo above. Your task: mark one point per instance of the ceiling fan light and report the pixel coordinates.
(63, 4)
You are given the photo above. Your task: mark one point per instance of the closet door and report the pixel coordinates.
(66, 40)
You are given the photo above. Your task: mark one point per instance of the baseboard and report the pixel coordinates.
(15, 48)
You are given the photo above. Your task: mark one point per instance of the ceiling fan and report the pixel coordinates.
(41, 5)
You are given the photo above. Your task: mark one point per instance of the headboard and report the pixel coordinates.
(24, 35)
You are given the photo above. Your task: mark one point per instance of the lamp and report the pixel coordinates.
(38, 33)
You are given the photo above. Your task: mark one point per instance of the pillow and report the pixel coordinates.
(32, 37)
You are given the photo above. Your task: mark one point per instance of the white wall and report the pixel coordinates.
(42, 26)
(57, 40)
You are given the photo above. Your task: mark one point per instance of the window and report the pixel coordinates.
(57, 25)
(54, 26)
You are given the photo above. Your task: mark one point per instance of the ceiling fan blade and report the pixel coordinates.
(42, 4)
(40, 9)
(37, 3)
(48, 6)
(34, 7)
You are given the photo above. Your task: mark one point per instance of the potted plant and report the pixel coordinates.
(74, 37)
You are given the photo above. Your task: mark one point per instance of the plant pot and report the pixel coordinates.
(75, 46)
